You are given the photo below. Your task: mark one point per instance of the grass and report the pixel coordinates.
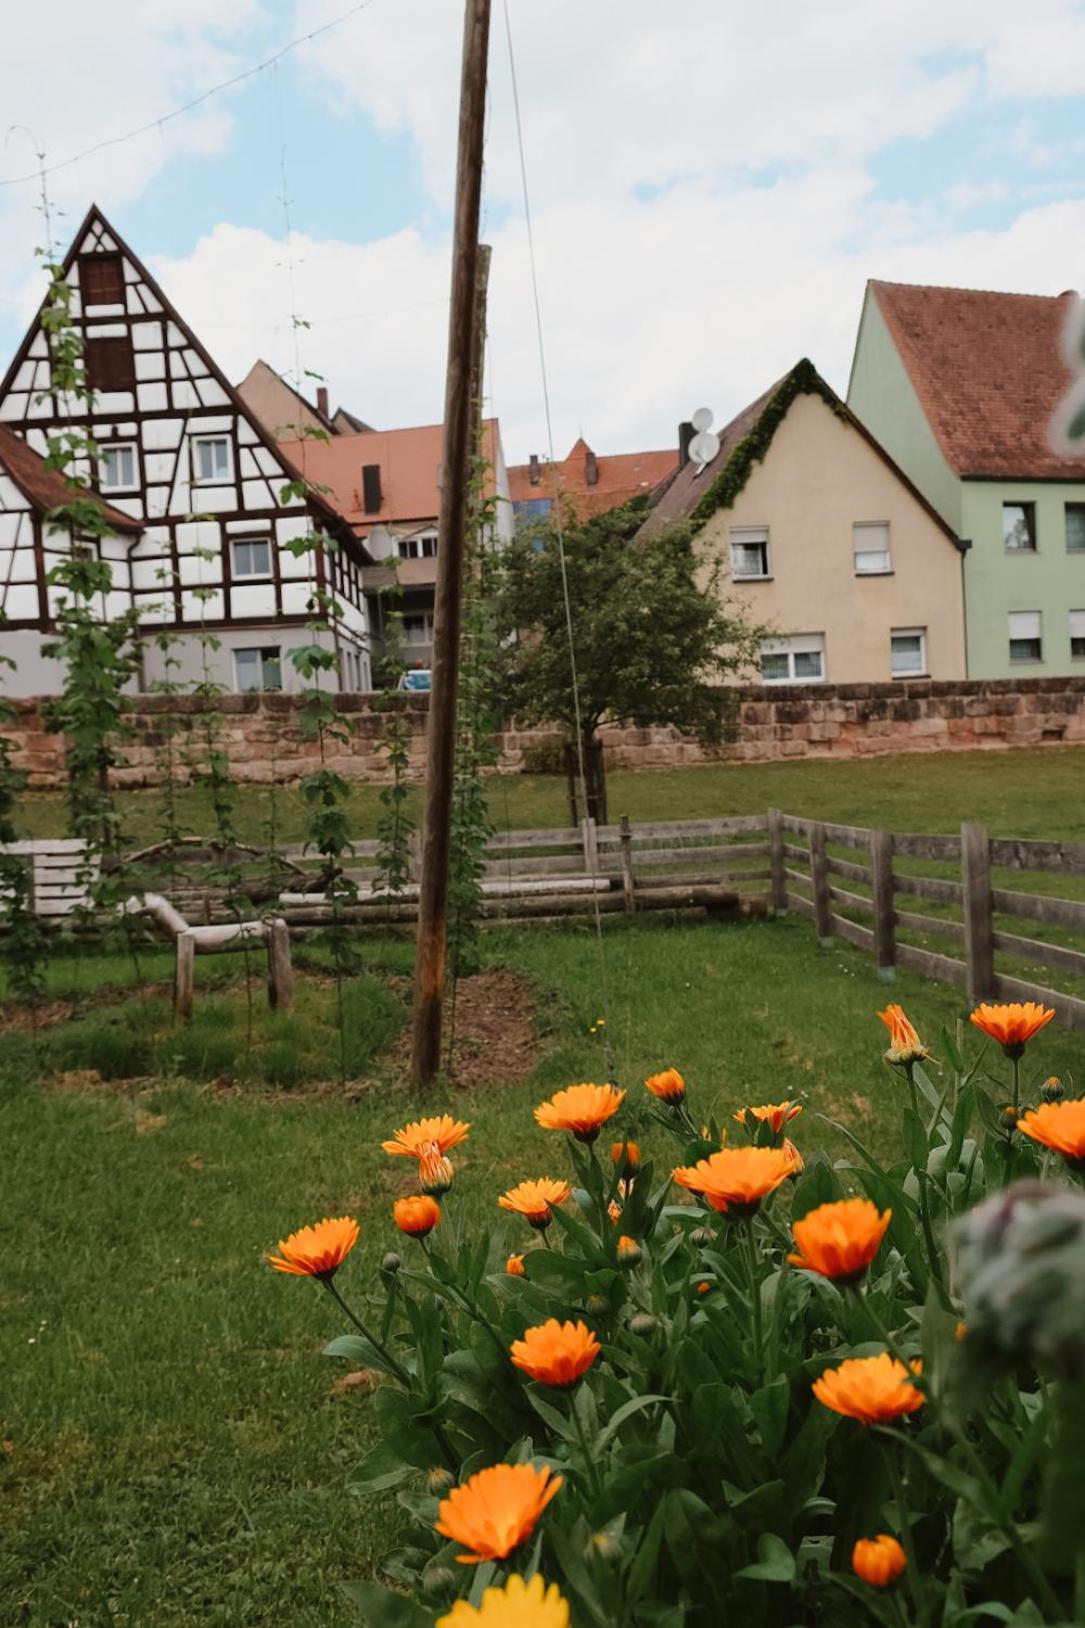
(174, 1447)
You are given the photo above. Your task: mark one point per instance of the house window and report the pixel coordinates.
(1077, 634)
(870, 546)
(1075, 528)
(86, 548)
(259, 669)
(250, 557)
(750, 553)
(1019, 527)
(418, 548)
(211, 460)
(908, 651)
(797, 660)
(418, 629)
(1025, 637)
(101, 279)
(109, 364)
(118, 470)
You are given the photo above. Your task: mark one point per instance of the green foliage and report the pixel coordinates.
(23, 943)
(394, 823)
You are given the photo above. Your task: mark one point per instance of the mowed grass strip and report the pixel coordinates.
(175, 1450)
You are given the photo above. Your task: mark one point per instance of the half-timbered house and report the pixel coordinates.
(209, 523)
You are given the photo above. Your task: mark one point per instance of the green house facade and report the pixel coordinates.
(960, 386)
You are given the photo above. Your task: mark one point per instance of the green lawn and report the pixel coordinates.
(174, 1449)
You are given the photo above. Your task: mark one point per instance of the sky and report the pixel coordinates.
(711, 184)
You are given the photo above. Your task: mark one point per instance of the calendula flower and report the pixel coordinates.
(874, 1390)
(626, 1157)
(517, 1605)
(878, 1561)
(840, 1240)
(905, 1046)
(614, 1211)
(1013, 1024)
(416, 1216)
(424, 1136)
(514, 1266)
(735, 1180)
(629, 1251)
(668, 1086)
(776, 1114)
(556, 1353)
(794, 1157)
(533, 1200)
(435, 1174)
(317, 1252)
(1058, 1125)
(581, 1109)
(496, 1510)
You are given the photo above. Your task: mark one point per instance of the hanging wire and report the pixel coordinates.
(559, 529)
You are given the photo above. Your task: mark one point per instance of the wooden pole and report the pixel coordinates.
(979, 947)
(778, 882)
(885, 919)
(429, 971)
(628, 884)
(819, 880)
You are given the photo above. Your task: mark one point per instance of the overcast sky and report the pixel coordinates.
(712, 183)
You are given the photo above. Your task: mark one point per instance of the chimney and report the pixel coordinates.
(533, 469)
(322, 400)
(591, 468)
(686, 432)
(371, 488)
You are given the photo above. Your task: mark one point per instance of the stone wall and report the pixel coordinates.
(263, 740)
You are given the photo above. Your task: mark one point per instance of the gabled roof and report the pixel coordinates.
(271, 397)
(619, 477)
(46, 489)
(988, 372)
(695, 494)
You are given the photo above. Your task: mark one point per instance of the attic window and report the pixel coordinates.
(109, 364)
(101, 279)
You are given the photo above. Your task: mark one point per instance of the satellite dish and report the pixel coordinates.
(704, 447)
(702, 419)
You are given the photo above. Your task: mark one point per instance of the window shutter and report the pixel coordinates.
(109, 364)
(101, 279)
(1024, 624)
(1077, 624)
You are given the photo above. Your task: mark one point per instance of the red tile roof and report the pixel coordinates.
(619, 478)
(988, 372)
(46, 488)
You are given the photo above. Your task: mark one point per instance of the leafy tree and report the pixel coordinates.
(654, 635)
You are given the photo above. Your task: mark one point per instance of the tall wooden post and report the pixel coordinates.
(819, 881)
(777, 878)
(429, 971)
(979, 945)
(885, 916)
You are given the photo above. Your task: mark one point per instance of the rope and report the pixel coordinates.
(559, 529)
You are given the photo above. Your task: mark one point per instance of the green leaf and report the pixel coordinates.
(770, 1407)
(380, 1469)
(818, 1184)
(381, 1608)
(625, 1412)
(775, 1562)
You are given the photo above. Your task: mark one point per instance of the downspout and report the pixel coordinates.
(962, 545)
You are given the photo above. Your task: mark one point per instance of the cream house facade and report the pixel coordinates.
(825, 543)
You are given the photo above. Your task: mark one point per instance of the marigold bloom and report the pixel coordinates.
(496, 1509)
(435, 1174)
(517, 1605)
(626, 1155)
(840, 1240)
(317, 1252)
(905, 1045)
(776, 1114)
(514, 1266)
(878, 1561)
(1058, 1125)
(582, 1109)
(614, 1211)
(798, 1163)
(668, 1086)
(874, 1390)
(533, 1200)
(629, 1251)
(424, 1136)
(556, 1353)
(416, 1216)
(737, 1179)
(1013, 1024)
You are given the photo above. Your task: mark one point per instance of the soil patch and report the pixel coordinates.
(493, 1020)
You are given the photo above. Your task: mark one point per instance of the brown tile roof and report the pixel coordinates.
(619, 478)
(46, 488)
(988, 372)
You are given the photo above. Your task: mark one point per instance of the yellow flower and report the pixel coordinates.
(317, 1252)
(517, 1605)
(496, 1510)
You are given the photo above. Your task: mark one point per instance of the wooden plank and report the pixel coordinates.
(946, 968)
(1051, 955)
(929, 887)
(819, 881)
(677, 856)
(650, 829)
(793, 851)
(1068, 1008)
(548, 865)
(881, 869)
(1054, 912)
(804, 906)
(845, 867)
(918, 847)
(565, 836)
(853, 932)
(854, 901)
(1013, 853)
(793, 822)
(851, 836)
(778, 886)
(802, 879)
(931, 924)
(45, 845)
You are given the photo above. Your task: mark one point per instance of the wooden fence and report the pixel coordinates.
(983, 919)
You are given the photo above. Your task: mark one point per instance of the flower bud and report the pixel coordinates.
(435, 1174)
(597, 1305)
(514, 1266)
(642, 1324)
(605, 1545)
(878, 1561)
(1052, 1089)
(626, 1156)
(629, 1252)
(439, 1579)
(702, 1236)
(391, 1263)
(1009, 1115)
(438, 1480)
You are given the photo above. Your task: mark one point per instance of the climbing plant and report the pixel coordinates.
(394, 825)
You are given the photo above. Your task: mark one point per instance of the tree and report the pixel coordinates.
(654, 635)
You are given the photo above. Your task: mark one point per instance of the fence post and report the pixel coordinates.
(591, 847)
(778, 881)
(626, 836)
(184, 976)
(280, 976)
(979, 947)
(885, 916)
(819, 881)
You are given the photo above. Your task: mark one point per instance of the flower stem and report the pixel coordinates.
(915, 1581)
(750, 1253)
(401, 1373)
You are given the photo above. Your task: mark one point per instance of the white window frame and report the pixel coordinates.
(250, 576)
(919, 633)
(262, 651)
(199, 441)
(1017, 635)
(795, 644)
(119, 486)
(1077, 631)
(751, 537)
(886, 553)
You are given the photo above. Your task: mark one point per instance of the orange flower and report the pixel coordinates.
(1058, 1125)
(435, 1174)
(905, 1045)
(496, 1509)
(614, 1211)
(1012, 1025)
(556, 1353)
(533, 1199)
(776, 1114)
(878, 1561)
(317, 1252)
(798, 1163)
(629, 1251)
(582, 1109)
(626, 1155)
(874, 1390)
(517, 1605)
(424, 1136)
(737, 1179)
(514, 1266)
(669, 1086)
(416, 1216)
(840, 1240)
